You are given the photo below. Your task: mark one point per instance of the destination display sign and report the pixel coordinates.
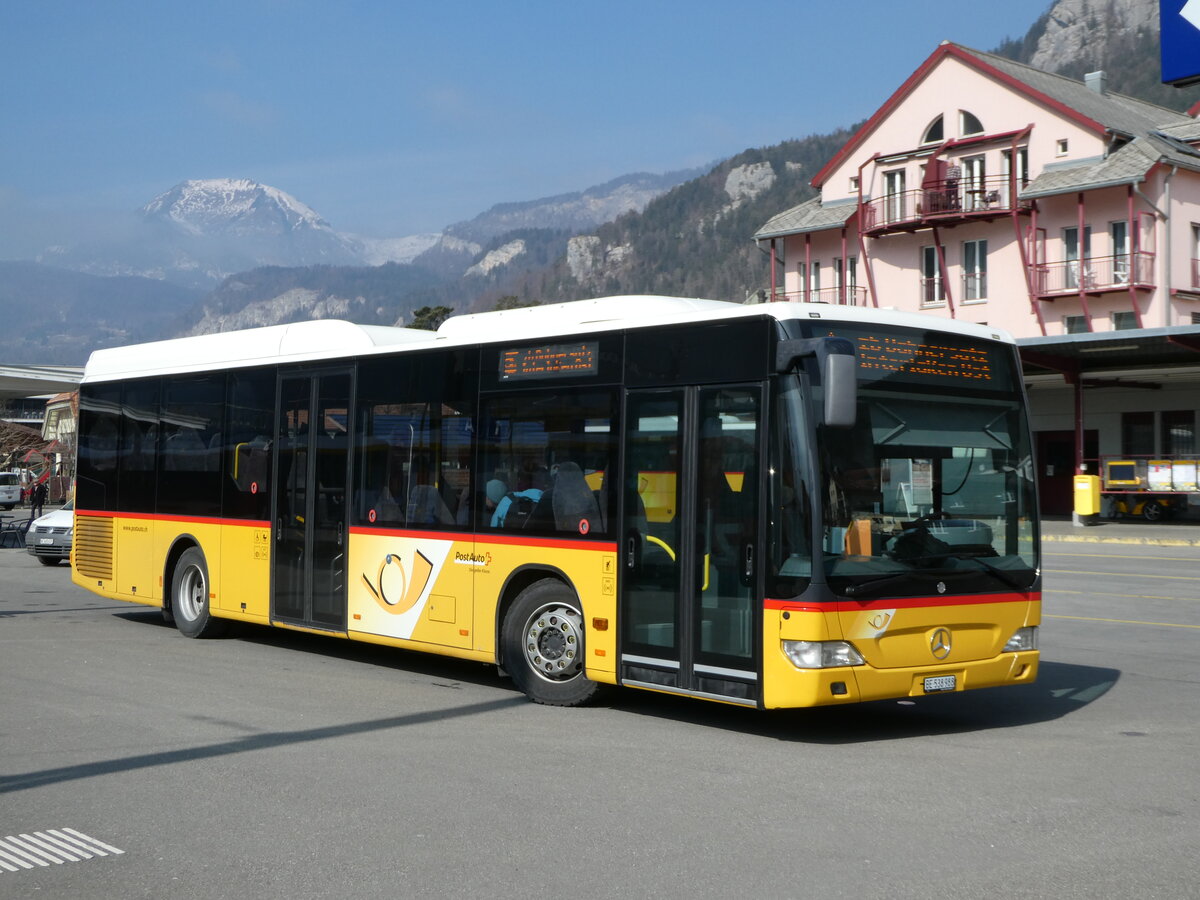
(550, 361)
(883, 355)
(911, 356)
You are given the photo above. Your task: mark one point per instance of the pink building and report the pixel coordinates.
(989, 191)
(993, 192)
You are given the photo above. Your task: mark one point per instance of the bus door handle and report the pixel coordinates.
(748, 564)
(633, 545)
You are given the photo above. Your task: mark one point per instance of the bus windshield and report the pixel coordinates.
(932, 491)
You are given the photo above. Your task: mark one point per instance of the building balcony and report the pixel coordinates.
(941, 203)
(1097, 275)
(837, 296)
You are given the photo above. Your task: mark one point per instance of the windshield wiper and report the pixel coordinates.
(1000, 574)
(876, 583)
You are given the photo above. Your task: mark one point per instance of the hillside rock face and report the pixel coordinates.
(1074, 25)
(498, 258)
(748, 181)
(295, 305)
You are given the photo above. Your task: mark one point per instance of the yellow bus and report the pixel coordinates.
(779, 505)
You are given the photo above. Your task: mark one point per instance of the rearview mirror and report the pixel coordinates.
(838, 374)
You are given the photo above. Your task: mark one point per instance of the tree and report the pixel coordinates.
(428, 318)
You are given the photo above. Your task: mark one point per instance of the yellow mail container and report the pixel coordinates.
(1087, 495)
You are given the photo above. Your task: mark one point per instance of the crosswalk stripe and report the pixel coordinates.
(95, 842)
(53, 846)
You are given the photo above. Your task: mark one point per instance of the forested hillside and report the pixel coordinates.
(695, 240)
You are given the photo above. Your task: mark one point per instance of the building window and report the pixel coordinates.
(1061, 147)
(854, 184)
(974, 270)
(933, 292)
(968, 123)
(1120, 249)
(814, 279)
(1006, 160)
(844, 278)
(1123, 321)
(1137, 433)
(1195, 257)
(893, 190)
(1075, 325)
(1178, 432)
(935, 133)
(1071, 256)
(974, 184)
(1196, 318)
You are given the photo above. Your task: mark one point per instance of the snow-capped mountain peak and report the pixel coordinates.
(232, 205)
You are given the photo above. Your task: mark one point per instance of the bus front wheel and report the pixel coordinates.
(543, 645)
(189, 597)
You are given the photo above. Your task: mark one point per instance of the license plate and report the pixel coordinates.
(46, 541)
(940, 683)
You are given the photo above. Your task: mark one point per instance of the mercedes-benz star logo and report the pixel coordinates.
(939, 643)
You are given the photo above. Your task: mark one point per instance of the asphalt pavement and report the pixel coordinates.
(1169, 533)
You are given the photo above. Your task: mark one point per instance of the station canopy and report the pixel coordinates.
(1146, 357)
(36, 381)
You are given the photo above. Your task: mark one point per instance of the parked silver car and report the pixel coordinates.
(49, 537)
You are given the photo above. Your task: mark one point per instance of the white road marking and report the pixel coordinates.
(54, 846)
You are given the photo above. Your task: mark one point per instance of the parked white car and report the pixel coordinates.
(49, 537)
(10, 489)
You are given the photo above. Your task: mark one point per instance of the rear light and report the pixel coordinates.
(1023, 639)
(822, 654)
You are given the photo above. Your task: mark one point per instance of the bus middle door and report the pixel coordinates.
(689, 603)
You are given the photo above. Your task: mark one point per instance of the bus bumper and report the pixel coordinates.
(856, 684)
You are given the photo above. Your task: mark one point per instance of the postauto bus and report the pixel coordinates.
(779, 505)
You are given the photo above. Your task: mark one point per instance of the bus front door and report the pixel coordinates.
(312, 439)
(689, 541)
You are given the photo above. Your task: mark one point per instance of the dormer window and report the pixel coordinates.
(968, 124)
(935, 133)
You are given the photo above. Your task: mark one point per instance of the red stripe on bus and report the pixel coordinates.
(485, 538)
(900, 602)
(165, 517)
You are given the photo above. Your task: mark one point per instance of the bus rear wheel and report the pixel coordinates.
(543, 645)
(189, 597)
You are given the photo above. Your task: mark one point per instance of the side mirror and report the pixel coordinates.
(838, 374)
(841, 390)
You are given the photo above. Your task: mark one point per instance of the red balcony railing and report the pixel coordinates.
(839, 296)
(941, 203)
(1099, 273)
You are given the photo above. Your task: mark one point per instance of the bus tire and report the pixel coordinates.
(543, 645)
(189, 597)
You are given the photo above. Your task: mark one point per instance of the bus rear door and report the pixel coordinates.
(308, 583)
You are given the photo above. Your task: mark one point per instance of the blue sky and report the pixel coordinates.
(392, 118)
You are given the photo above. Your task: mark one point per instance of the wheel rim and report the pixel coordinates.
(553, 642)
(189, 599)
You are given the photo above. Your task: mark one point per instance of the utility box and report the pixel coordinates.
(1087, 499)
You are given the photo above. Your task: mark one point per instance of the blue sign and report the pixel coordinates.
(1180, 39)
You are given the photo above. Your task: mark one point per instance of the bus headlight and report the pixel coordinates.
(821, 654)
(1023, 639)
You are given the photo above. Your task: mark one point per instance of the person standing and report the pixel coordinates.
(37, 499)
